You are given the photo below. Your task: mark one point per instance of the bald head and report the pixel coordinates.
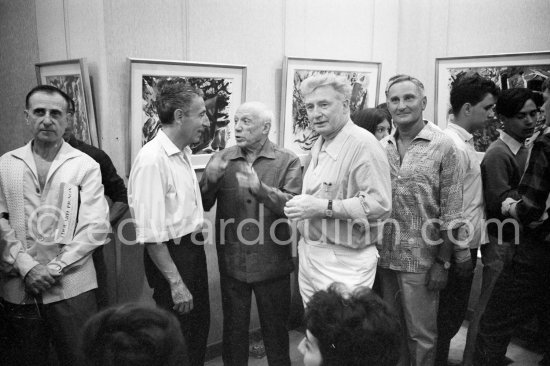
(252, 124)
(259, 109)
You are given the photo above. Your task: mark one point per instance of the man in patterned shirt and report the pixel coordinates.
(416, 250)
(522, 290)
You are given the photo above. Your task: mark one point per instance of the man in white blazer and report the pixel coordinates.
(53, 216)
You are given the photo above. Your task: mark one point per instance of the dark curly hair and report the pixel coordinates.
(511, 101)
(354, 328)
(471, 88)
(133, 335)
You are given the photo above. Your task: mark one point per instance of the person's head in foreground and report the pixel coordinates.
(349, 328)
(374, 120)
(133, 335)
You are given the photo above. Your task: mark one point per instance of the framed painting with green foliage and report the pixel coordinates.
(520, 70)
(223, 87)
(72, 77)
(296, 133)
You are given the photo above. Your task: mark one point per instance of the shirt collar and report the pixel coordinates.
(267, 151)
(461, 132)
(513, 144)
(66, 151)
(335, 145)
(169, 146)
(426, 133)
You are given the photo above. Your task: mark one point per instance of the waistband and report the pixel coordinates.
(340, 248)
(195, 238)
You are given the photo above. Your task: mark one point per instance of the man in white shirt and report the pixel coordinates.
(473, 99)
(53, 215)
(164, 198)
(346, 195)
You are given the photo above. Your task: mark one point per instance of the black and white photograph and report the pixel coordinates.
(275, 183)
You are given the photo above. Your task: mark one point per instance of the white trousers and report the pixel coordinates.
(323, 264)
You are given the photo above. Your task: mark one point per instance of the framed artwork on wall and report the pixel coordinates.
(296, 133)
(72, 77)
(223, 87)
(525, 70)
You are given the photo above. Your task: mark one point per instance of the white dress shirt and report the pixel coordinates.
(473, 204)
(163, 192)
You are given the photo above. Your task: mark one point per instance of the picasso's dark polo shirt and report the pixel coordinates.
(262, 251)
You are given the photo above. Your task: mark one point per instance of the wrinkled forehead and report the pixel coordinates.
(324, 93)
(249, 112)
(48, 101)
(404, 87)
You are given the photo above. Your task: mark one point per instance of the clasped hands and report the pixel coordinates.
(41, 278)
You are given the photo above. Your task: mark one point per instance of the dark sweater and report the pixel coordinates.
(112, 182)
(501, 173)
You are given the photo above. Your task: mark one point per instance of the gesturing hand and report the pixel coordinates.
(182, 298)
(215, 168)
(248, 178)
(304, 207)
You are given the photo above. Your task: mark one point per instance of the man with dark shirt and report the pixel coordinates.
(501, 170)
(252, 181)
(522, 290)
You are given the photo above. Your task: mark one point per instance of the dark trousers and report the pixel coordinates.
(101, 274)
(495, 255)
(453, 305)
(32, 327)
(273, 301)
(521, 293)
(190, 260)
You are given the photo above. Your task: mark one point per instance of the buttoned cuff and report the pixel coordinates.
(354, 208)
(24, 263)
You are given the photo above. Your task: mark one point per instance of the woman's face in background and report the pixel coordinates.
(382, 130)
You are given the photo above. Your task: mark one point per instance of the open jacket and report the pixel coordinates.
(61, 224)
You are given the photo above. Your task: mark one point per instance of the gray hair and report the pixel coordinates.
(264, 113)
(399, 78)
(338, 83)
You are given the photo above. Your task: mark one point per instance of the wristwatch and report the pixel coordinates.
(328, 211)
(446, 264)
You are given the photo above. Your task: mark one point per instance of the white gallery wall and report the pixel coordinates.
(404, 35)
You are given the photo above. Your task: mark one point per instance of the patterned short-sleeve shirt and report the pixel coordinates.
(426, 199)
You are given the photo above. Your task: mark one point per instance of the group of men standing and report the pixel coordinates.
(411, 206)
